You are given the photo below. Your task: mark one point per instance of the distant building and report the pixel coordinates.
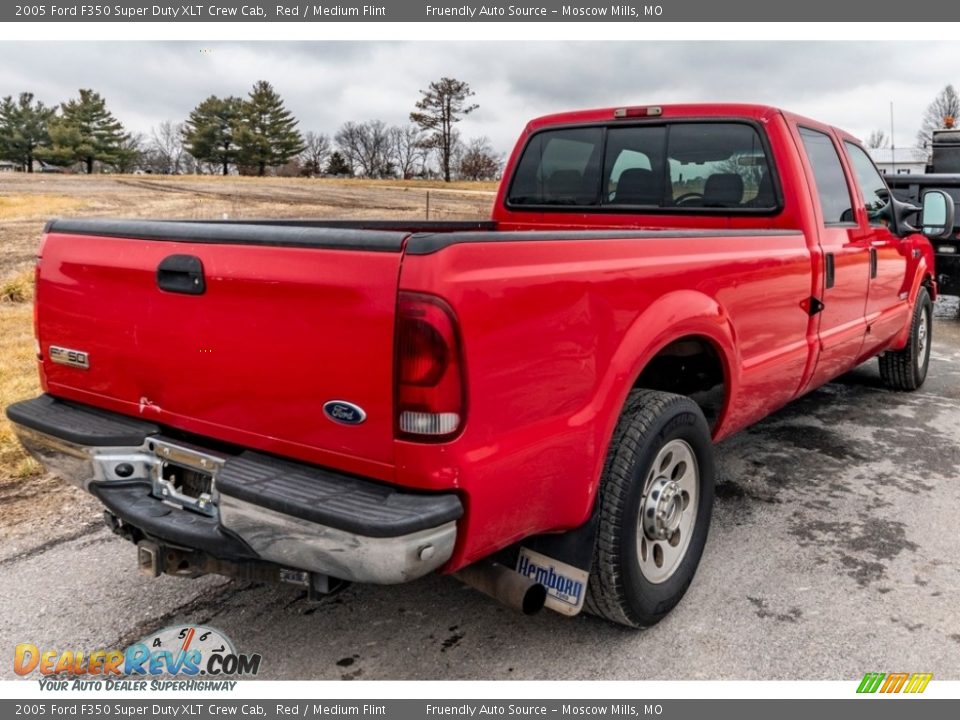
(899, 161)
(7, 166)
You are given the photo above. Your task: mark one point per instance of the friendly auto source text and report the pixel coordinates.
(484, 11)
(616, 709)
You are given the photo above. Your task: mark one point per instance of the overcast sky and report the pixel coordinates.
(849, 84)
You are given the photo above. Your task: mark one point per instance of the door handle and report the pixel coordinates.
(873, 263)
(181, 274)
(831, 270)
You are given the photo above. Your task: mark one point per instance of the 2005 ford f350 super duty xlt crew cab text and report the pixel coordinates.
(529, 403)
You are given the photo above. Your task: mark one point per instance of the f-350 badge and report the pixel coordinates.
(66, 356)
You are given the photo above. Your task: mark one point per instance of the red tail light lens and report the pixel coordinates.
(429, 369)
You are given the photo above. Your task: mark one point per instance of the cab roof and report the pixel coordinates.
(747, 111)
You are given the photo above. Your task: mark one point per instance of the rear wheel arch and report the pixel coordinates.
(672, 318)
(694, 366)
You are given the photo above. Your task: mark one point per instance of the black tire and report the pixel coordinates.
(907, 369)
(618, 589)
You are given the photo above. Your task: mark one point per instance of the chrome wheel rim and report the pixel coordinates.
(668, 511)
(923, 336)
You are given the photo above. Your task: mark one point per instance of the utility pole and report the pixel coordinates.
(893, 143)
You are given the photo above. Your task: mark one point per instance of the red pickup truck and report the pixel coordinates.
(528, 402)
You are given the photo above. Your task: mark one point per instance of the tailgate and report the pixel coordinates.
(289, 319)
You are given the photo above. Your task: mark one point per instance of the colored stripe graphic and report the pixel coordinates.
(894, 682)
(871, 682)
(918, 682)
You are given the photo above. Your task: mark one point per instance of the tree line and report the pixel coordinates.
(252, 135)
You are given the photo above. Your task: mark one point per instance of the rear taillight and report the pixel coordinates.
(429, 369)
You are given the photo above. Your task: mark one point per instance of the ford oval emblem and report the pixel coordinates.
(343, 412)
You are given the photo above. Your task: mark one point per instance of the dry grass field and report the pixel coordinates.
(28, 201)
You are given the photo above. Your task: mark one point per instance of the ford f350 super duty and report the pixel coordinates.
(529, 402)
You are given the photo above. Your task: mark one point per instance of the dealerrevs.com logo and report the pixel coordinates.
(888, 683)
(188, 652)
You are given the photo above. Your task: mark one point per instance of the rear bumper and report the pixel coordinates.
(257, 507)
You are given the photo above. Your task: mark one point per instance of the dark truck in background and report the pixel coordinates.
(909, 188)
(943, 173)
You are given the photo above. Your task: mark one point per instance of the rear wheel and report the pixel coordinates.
(907, 369)
(656, 497)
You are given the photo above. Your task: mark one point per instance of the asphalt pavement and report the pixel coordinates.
(834, 551)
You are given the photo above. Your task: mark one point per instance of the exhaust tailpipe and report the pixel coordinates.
(504, 585)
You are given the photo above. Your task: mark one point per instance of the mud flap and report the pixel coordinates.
(561, 563)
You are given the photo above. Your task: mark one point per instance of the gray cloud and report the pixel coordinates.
(326, 83)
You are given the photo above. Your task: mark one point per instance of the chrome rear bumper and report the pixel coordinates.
(377, 534)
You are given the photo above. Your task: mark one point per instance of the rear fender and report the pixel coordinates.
(676, 315)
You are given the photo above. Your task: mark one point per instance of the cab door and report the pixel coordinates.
(886, 308)
(846, 259)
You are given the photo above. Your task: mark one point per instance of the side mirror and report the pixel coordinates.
(936, 215)
(894, 214)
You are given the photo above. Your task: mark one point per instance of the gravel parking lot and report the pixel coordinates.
(834, 551)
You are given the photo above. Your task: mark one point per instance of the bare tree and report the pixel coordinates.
(479, 161)
(408, 150)
(166, 151)
(457, 149)
(315, 153)
(941, 113)
(366, 147)
(878, 139)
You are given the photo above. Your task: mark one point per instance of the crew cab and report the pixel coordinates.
(528, 402)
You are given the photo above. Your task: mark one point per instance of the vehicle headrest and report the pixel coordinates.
(638, 186)
(723, 190)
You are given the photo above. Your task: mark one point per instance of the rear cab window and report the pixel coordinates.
(676, 167)
(559, 168)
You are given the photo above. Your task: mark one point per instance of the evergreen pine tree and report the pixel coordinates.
(338, 166)
(24, 128)
(268, 134)
(86, 131)
(210, 133)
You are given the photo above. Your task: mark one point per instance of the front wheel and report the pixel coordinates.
(656, 497)
(907, 369)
